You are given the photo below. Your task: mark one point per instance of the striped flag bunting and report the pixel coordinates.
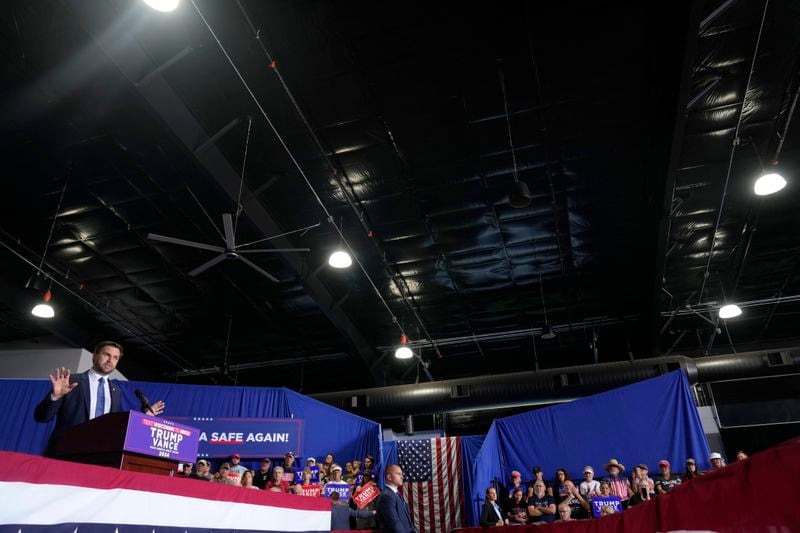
(49, 496)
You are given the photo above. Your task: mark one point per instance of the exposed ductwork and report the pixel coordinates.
(550, 386)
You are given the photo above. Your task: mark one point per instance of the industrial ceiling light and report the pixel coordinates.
(340, 259)
(403, 351)
(44, 310)
(548, 333)
(36, 282)
(163, 5)
(520, 196)
(729, 311)
(769, 184)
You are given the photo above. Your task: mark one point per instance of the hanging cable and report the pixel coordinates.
(508, 120)
(53, 225)
(241, 181)
(296, 164)
(736, 142)
(391, 270)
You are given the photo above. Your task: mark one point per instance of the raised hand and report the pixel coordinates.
(61, 384)
(157, 408)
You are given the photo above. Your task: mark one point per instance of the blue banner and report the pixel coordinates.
(298, 475)
(600, 502)
(342, 487)
(253, 438)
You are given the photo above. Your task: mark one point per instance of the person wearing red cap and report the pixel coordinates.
(236, 469)
(516, 483)
(665, 481)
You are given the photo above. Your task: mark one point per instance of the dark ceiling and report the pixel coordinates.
(388, 121)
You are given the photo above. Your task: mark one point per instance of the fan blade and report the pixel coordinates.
(272, 250)
(183, 242)
(227, 222)
(259, 269)
(208, 264)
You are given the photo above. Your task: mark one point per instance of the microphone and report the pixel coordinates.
(143, 399)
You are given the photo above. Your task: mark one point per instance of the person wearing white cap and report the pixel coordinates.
(589, 486)
(716, 460)
(336, 484)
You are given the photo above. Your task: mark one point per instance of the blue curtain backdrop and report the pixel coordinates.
(470, 446)
(326, 429)
(641, 423)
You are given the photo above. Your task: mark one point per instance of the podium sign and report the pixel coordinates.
(158, 437)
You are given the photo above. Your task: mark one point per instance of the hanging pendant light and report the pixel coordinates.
(729, 311)
(403, 351)
(165, 6)
(44, 310)
(340, 259)
(36, 282)
(548, 333)
(520, 196)
(768, 184)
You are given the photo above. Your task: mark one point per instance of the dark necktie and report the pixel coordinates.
(100, 408)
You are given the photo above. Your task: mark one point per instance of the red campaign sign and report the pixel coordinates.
(310, 490)
(366, 494)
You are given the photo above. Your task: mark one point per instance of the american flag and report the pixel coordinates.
(432, 482)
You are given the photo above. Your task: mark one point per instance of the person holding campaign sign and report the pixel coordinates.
(341, 513)
(78, 398)
(605, 503)
(336, 484)
(311, 466)
(307, 487)
(366, 498)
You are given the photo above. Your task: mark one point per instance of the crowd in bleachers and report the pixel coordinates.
(316, 480)
(541, 501)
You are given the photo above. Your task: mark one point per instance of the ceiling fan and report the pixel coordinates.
(230, 251)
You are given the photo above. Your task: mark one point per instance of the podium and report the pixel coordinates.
(130, 441)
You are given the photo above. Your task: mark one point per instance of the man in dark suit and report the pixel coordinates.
(75, 399)
(491, 514)
(393, 515)
(341, 513)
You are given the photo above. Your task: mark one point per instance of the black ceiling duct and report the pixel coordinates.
(548, 386)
